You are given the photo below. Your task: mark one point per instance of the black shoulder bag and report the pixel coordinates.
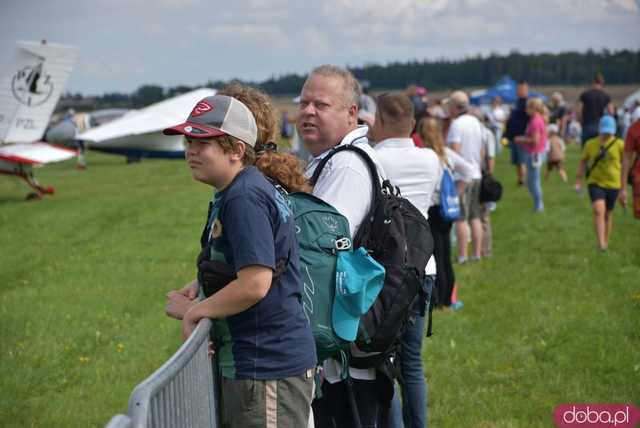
(601, 155)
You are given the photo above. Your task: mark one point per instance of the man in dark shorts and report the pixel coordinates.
(516, 126)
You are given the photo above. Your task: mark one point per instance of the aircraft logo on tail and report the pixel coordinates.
(28, 96)
(31, 86)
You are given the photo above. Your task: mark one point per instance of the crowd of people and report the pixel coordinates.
(264, 345)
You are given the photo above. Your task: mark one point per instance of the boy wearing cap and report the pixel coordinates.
(263, 342)
(601, 165)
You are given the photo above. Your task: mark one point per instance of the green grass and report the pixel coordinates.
(547, 320)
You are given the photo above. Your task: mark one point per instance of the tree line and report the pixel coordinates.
(566, 68)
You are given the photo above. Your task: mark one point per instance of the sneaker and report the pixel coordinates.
(462, 260)
(457, 305)
(474, 259)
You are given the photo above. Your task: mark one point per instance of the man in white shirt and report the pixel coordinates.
(414, 171)
(465, 137)
(327, 118)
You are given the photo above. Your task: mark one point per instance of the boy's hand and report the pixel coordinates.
(189, 323)
(622, 196)
(178, 304)
(190, 290)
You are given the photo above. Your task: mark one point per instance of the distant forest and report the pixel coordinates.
(567, 68)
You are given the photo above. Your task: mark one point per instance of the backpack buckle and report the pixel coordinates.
(343, 244)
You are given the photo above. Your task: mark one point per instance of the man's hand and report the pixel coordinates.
(178, 304)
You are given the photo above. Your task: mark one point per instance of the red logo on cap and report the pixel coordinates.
(201, 108)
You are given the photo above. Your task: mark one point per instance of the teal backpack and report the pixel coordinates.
(322, 232)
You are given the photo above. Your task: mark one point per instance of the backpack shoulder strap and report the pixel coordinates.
(446, 166)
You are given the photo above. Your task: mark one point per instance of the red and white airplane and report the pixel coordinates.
(30, 87)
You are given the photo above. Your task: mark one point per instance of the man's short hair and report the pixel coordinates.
(351, 86)
(396, 111)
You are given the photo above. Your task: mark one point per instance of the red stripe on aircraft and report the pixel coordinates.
(18, 159)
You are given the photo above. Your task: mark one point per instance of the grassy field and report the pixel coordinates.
(547, 320)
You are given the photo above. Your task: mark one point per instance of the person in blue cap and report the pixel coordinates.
(600, 165)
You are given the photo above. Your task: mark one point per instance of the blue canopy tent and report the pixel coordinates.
(504, 88)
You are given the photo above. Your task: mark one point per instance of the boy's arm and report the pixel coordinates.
(179, 301)
(252, 285)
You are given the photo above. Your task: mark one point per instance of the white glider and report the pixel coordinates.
(138, 134)
(30, 87)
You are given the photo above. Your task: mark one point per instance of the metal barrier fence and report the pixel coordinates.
(181, 393)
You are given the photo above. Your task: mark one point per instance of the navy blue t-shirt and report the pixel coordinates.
(251, 224)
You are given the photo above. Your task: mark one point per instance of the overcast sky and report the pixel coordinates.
(126, 43)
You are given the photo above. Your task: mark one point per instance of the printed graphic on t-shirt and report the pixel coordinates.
(283, 207)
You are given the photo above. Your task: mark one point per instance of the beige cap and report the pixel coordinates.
(459, 99)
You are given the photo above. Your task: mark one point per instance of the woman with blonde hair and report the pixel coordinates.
(534, 142)
(430, 130)
(283, 168)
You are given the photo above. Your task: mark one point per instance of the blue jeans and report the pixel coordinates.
(534, 163)
(414, 385)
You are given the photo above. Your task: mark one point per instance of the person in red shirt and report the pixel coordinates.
(630, 163)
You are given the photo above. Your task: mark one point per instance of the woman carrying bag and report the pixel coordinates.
(441, 218)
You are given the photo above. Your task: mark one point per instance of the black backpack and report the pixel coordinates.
(398, 237)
